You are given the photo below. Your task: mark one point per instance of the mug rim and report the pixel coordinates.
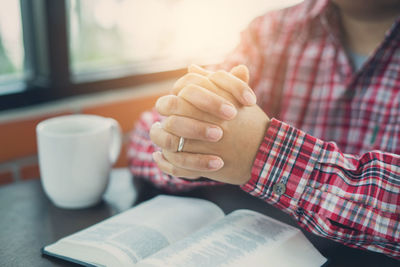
(41, 126)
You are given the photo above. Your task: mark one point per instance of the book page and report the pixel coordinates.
(140, 231)
(242, 238)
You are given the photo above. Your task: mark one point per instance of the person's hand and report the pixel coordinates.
(209, 138)
(236, 90)
(228, 160)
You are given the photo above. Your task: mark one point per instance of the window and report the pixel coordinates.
(11, 44)
(50, 49)
(154, 35)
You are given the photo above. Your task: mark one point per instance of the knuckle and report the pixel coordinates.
(192, 77)
(200, 130)
(203, 162)
(187, 90)
(221, 73)
(169, 143)
(172, 121)
(168, 122)
(241, 87)
(171, 104)
(153, 132)
(185, 80)
(177, 85)
(182, 161)
(160, 104)
(173, 171)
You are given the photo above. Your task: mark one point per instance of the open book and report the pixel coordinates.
(180, 231)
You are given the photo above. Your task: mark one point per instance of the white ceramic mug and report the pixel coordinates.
(76, 153)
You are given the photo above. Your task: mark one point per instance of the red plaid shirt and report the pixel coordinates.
(330, 157)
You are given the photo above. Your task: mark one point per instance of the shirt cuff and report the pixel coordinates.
(283, 165)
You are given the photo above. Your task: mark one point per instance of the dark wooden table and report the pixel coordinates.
(29, 221)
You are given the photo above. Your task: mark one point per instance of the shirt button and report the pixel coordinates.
(279, 188)
(300, 211)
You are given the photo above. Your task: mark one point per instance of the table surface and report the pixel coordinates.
(29, 221)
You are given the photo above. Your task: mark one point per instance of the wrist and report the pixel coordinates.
(257, 143)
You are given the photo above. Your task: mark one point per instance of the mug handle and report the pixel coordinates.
(116, 140)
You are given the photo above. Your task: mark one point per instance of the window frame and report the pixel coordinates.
(47, 66)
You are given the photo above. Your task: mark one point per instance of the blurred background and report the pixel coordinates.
(113, 58)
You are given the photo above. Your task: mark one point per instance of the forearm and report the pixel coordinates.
(350, 199)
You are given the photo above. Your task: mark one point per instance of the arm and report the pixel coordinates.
(351, 199)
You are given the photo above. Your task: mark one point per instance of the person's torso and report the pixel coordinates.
(321, 94)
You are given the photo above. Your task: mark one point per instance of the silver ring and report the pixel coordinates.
(181, 144)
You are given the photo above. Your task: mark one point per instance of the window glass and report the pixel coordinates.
(11, 44)
(156, 35)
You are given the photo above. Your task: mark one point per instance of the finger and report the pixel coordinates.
(200, 80)
(192, 129)
(174, 105)
(194, 162)
(170, 169)
(193, 68)
(193, 78)
(238, 88)
(208, 101)
(241, 72)
(169, 142)
(164, 139)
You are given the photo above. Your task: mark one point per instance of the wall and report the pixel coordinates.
(18, 151)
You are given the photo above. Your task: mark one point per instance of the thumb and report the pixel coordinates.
(241, 72)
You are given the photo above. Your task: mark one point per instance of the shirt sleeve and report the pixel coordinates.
(141, 162)
(351, 199)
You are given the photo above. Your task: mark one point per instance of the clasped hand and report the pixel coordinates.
(223, 127)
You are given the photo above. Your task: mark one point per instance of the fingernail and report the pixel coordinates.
(228, 111)
(215, 164)
(249, 98)
(214, 133)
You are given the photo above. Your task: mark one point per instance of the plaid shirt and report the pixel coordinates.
(331, 155)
